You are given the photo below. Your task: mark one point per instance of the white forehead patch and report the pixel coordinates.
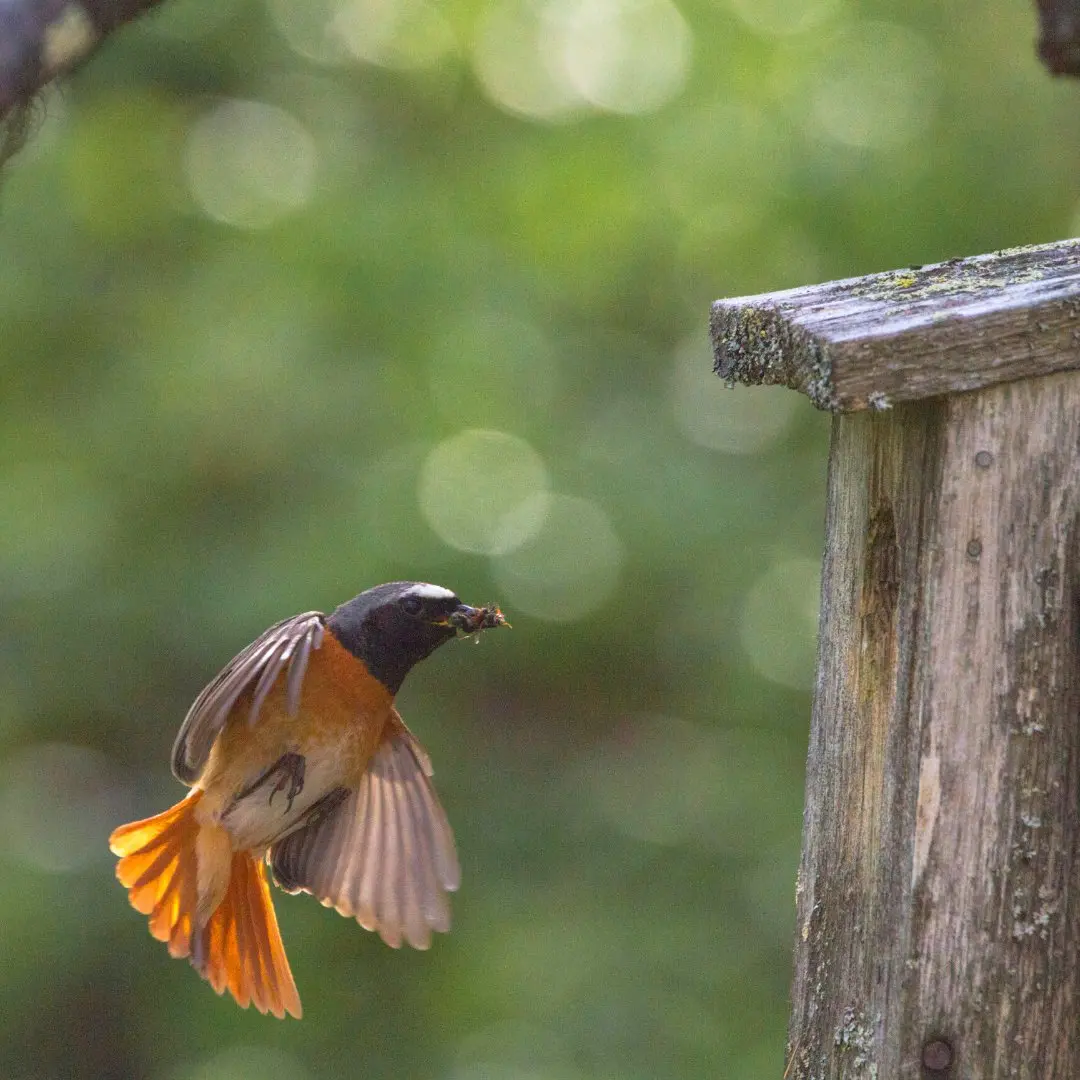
(430, 592)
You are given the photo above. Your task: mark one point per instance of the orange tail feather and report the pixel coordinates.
(239, 949)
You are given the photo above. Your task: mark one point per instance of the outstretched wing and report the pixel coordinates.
(385, 854)
(286, 645)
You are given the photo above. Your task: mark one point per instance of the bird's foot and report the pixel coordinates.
(287, 773)
(290, 771)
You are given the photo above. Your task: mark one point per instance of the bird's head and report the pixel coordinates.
(392, 627)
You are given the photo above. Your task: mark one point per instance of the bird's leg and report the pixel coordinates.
(288, 774)
(291, 768)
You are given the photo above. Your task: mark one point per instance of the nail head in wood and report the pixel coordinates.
(937, 1057)
(871, 342)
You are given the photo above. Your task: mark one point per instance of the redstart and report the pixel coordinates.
(295, 754)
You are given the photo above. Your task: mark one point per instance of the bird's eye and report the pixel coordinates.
(411, 605)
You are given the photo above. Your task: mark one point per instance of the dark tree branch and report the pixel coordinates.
(1059, 36)
(41, 39)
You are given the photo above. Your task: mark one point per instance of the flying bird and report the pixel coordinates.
(296, 755)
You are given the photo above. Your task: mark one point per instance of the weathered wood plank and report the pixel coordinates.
(874, 341)
(938, 928)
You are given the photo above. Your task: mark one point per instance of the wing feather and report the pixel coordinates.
(357, 879)
(385, 856)
(324, 862)
(369, 855)
(432, 899)
(388, 855)
(444, 849)
(298, 665)
(414, 862)
(270, 669)
(286, 646)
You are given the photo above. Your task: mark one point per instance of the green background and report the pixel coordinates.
(302, 297)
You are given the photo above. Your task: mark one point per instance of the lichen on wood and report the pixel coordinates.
(905, 335)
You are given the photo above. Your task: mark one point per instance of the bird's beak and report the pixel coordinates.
(471, 620)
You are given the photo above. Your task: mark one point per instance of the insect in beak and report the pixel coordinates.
(470, 621)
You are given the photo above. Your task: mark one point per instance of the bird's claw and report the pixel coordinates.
(290, 772)
(288, 776)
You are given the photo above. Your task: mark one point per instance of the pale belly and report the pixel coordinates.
(262, 783)
(266, 814)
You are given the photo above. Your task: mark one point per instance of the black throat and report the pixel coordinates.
(388, 641)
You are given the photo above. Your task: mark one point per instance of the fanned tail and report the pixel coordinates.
(237, 945)
(158, 868)
(240, 949)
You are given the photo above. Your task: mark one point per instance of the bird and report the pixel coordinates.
(296, 757)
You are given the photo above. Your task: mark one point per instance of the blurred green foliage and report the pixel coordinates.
(304, 296)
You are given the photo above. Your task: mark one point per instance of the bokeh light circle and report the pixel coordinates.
(510, 63)
(555, 60)
(566, 570)
(249, 163)
(623, 56)
(484, 491)
(308, 28)
(403, 34)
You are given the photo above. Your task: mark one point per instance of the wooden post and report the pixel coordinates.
(938, 897)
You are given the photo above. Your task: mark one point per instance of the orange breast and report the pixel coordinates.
(343, 711)
(341, 702)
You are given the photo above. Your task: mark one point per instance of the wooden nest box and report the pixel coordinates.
(938, 896)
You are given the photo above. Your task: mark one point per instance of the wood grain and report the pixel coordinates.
(938, 902)
(906, 335)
